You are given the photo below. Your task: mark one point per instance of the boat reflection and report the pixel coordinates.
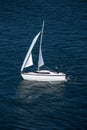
(29, 91)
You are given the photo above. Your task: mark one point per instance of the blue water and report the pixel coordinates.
(43, 106)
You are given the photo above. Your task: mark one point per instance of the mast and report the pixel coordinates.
(40, 61)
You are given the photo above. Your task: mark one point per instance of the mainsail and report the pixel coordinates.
(41, 61)
(28, 61)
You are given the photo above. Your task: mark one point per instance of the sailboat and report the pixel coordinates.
(39, 74)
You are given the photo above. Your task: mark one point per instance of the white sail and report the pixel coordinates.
(28, 59)
(29, 62)
(41, 61)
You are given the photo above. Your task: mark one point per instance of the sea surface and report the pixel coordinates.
(28, 105)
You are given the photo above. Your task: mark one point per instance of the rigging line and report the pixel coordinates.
(35, 67)
(49, 68)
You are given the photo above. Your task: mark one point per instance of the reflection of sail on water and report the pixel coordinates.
(28, 61)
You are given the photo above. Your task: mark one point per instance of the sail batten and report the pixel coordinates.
(28, 61)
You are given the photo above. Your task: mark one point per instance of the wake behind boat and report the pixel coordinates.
(39, 75)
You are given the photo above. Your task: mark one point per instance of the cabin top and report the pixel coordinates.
(43, 72)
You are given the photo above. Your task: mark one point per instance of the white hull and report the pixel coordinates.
(58, 77)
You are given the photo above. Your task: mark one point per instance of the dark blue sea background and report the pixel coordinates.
(28, 105)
